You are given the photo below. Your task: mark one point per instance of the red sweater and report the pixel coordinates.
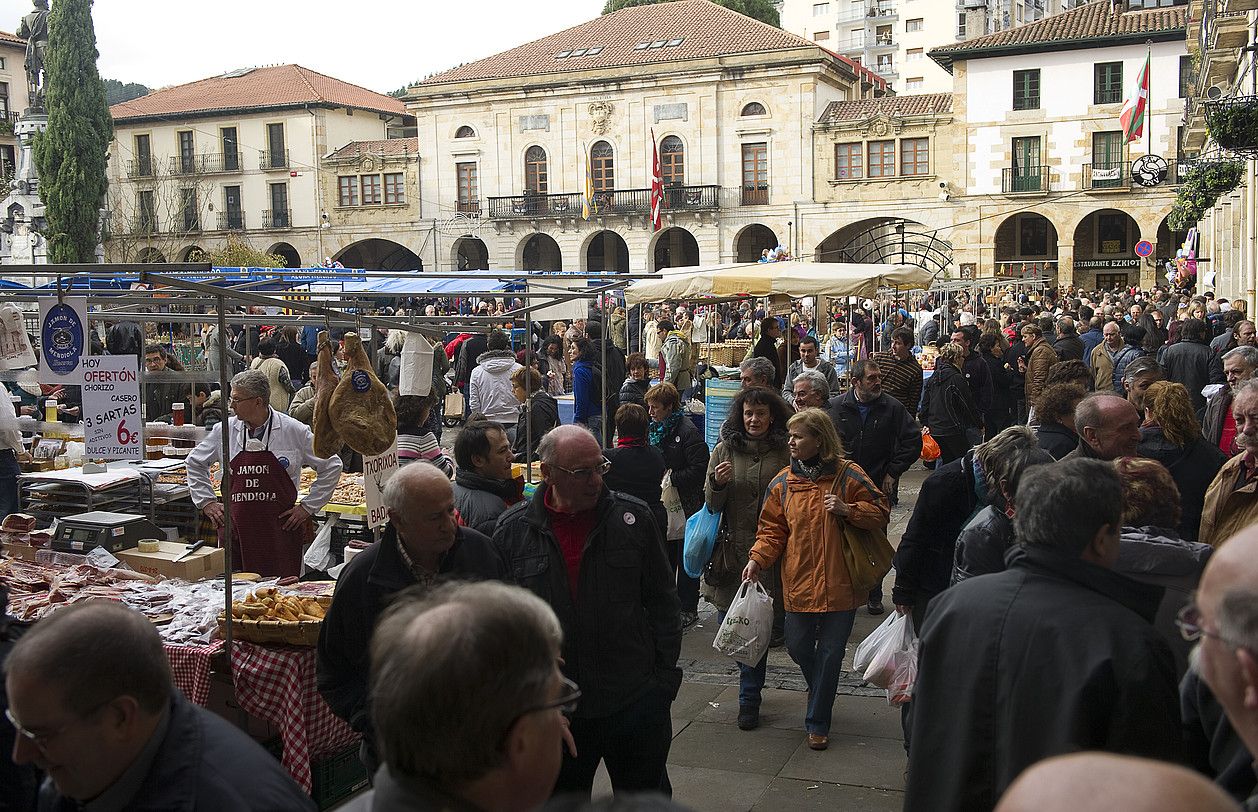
(571, 530)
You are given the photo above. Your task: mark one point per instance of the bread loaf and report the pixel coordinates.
(327, 441)
(361, 406)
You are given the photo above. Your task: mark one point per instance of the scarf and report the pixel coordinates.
(631, 442)
(815, 468)
(666, 427)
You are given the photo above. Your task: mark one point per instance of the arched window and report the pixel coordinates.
(465, 132)
(535, 170)
(754, 109)
(673, 161)
(602, 167)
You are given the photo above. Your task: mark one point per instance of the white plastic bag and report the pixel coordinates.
(744, 634)
(415, 377)
(876, 657)
(889, 628)
(318, 556)
(672, 506)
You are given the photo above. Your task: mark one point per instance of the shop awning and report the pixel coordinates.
(796, 279)
(417, 285)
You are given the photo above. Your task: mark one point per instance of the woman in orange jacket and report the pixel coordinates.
(801, 525)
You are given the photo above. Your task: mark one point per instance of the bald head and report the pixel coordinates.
(1100, 782)
(417, 482)
(564, 441)
(572, 463)
(420, 501)
(1109, 424)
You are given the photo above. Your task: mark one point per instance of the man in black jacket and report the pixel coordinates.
(483, 485)
(597, 557)
(1192, 362)
(1054, 655)
(421, 544)
(766, 347)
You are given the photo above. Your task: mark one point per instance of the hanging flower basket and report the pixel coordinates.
(1201, 188)
(1233, 123)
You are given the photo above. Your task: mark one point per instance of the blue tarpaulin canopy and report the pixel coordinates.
(418, 285)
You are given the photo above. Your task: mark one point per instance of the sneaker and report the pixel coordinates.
(748, 717)
(874, 606)
(689, 619)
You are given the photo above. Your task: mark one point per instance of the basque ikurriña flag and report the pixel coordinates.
(1135, 108)
(657, 185)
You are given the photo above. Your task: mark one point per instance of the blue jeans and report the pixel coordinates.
(750, 678)
(815, 641)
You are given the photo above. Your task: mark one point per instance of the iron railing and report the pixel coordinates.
(1024, 179)
(277, 218)
(621, 201)
(140, 168)
(231, 221)
(1111, 175)
(468, 207)
(191, 223)
(207, 164)
(273, 159)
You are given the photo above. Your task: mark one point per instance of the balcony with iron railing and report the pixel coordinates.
(468, 207)
(277, 218)
(1113, 175)
(272, 159)
(8, 118)
(140, 168)
(622, 201)
(1024, 179)
(231, 221)
(207, 164)
(875, 12)
(189, 223)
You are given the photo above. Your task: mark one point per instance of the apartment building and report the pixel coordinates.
(13, 99)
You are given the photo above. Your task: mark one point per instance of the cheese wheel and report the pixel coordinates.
(149, 545)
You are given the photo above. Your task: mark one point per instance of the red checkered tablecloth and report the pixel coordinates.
(277, 683)
(190, 666)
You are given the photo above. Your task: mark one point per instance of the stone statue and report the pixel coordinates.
(34, 28)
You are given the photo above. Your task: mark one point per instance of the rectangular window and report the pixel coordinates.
(849, 162)
(143, 156)
(231, 149)
(187, 152)
(2, 62)
(820, 9)
(882, 35)
(856, 38)
(913, 26)
(371, 190)
(1026, 89)
(4, 98)
(1107, 85)
(1026, 168)
(146, 222)
(468, 185)
(347, 190)
(755, 174)
(276, 155)
(916, 83)
(233, 216)
(960, 26)
(881, 159)
(1107, 159)
(821, 36)
(279, 206)
(189, 212)
(394, 189)
(914, 55)
(1185, 77)
(914, 156)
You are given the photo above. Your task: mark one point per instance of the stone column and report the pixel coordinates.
(1066, 263)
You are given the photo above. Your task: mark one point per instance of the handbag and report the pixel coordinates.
(867, 553)
(724, 569)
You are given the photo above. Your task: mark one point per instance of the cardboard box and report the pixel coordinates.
(204, 563)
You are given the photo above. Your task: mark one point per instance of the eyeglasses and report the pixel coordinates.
(235, 400)
(41, 740)
(586, 473)
(1188, 620)
(566, 704)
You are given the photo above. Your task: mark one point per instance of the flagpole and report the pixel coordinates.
(1148, 60)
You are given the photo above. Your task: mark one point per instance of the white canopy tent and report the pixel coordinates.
(796, 279)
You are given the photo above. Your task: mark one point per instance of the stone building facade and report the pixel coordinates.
(14, 98)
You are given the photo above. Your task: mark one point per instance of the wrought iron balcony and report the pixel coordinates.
(1112, 175)
(277, 218)
(144, 224)
(140, 168)
(273, 159)
(622, 201)
(207, 164)
(1019, 179)
(231, 221)
(190, 223)
(468, 207)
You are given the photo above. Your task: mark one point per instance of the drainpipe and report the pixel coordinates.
(318, 184)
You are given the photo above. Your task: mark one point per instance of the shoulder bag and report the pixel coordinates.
(867, 553)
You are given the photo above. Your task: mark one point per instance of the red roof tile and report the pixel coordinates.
(681, 30)
(388, 148)
(920, 105)
(13, 39)
(259, 88)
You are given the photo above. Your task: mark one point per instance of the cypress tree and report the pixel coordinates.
(70, 155)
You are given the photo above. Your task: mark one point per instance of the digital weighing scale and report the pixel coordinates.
(85, 532)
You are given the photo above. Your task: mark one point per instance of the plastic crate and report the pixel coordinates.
(346, 531)
(337, 776)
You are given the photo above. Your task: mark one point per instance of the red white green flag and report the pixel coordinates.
(1135, 108)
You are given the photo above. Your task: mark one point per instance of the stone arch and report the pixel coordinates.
(1026, 242)
(193, 253)
(887, 240)
(606, 252)
(379, 255)
(292, 259)
(469, 254)
(1104, 249)
(539, 252)
(150, 255)
(1168, 242)
(673, 247)
(750, 242)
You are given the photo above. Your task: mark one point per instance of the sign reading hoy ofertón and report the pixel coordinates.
(112, 428)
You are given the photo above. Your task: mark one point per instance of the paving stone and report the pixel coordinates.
(725, 747)
(864, 761)
(802, 796)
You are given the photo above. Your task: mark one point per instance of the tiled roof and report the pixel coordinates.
(13, 39)
(1091, 21)
(388, 148)
(680, 30)
(259, 88)
(920, 105)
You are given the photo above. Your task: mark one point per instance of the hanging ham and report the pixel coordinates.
(327, 441)
(361, 406)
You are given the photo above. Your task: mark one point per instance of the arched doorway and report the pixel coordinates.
(1168, 243)
(150, 255)
(379, 255)
(607, 253)
(193, 253)
(887, 240)
(1105, 250)
(471, 254)
(291, 258)
(541, 253)
(1026, 243)
(674, 248)
(751, 242)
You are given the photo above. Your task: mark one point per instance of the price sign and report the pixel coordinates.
(376, 472)
(112, 428)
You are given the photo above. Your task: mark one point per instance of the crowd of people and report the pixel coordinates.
(1078, 565)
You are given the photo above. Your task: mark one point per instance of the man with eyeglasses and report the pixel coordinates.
(1057, 653)
(268, 449)
(468, 702)
(91, 697)
(597, 557)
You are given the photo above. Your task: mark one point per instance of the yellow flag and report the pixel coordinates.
(587, 201)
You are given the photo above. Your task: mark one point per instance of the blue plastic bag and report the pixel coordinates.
(701, 529)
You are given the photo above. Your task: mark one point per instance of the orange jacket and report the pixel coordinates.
(796, 528)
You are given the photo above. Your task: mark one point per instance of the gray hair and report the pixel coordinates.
(989, 454)
(1145, 365)
(1247, 354)
(548, 448)
(397, 494)
(1238, 617)
(452, 669)
(814, 379)
(1062, 506)
(251, 383)
(761, 368)
(1247, 387)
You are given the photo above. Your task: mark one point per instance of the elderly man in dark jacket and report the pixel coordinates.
(1217, 425)
(1054, 655)
(421, 544)
(1192, 362)
(597, 557)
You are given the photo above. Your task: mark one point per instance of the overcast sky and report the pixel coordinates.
(379, 44)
